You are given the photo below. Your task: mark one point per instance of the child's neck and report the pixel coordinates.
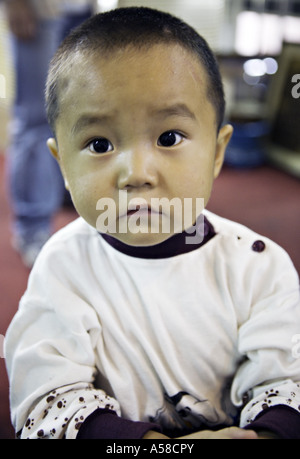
(175, 245)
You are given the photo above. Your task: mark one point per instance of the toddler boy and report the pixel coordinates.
(143, 320)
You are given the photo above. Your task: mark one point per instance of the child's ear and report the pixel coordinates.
(223, 139)
(52, 145)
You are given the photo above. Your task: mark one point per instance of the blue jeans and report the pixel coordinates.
(35, 183)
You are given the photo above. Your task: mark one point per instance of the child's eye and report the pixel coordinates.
(100, 145)
(170, 139)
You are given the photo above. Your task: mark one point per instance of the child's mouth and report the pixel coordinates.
(142, 210)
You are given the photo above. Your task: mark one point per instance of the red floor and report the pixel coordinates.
(265, 199)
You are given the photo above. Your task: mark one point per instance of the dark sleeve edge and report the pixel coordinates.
(106, 424)
(282, 420)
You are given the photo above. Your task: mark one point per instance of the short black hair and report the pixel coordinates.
(139, 27)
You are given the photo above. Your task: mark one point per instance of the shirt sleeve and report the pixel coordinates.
(269, 373)
(50, 350)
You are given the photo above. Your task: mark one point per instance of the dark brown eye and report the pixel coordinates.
(100, 145)
(169, 139)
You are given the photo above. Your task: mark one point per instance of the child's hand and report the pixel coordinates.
(152, 435)
(267, 435)
(230, 433)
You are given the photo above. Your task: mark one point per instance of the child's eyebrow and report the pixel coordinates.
(88, 120)
(175, 110)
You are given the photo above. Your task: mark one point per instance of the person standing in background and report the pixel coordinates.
(35, 185)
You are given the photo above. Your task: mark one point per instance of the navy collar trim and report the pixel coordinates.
(175, 245)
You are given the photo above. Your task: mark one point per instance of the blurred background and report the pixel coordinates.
(257, 43)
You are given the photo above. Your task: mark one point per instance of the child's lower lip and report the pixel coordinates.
(141, 212)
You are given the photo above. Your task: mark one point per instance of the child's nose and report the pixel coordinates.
(137, 169)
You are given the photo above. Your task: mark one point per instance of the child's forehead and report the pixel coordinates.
(154, 78)
(134, 61)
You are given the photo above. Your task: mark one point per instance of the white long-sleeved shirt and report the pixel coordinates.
(181, 340)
